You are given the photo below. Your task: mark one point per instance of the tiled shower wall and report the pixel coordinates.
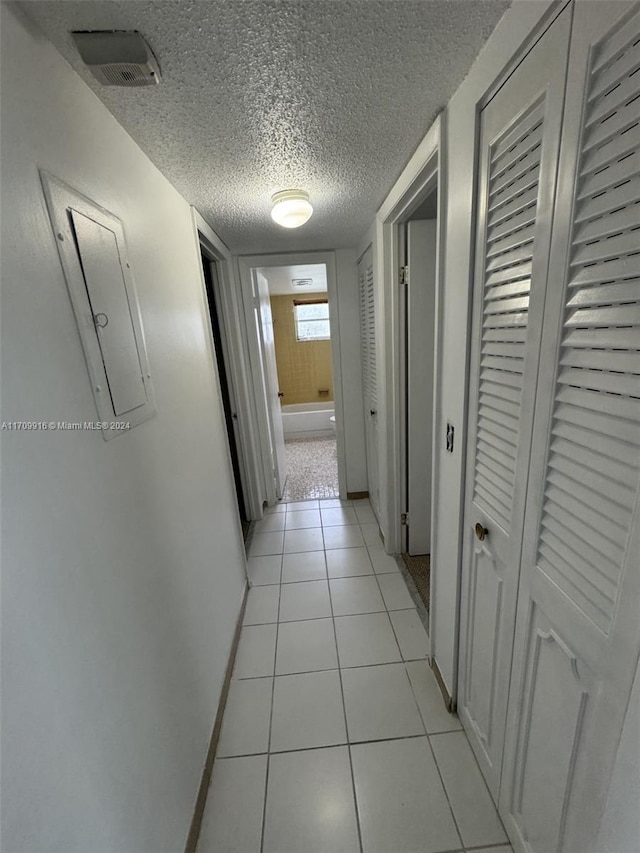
(304, 367)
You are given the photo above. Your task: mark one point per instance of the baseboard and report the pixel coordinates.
(448, 701)
(201, 799)
(357, 496)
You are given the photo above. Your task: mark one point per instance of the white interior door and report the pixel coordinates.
(578, 624)
(369, 373)
(421, 294)
(264, 323)
(520, 133)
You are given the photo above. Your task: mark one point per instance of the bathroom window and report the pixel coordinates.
(312, 320)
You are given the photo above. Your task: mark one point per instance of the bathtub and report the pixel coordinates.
(308, 420)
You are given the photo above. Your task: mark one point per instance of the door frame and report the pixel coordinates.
(407, 417)
(424, 173)
(245, 265)
(227, 389)
(268, 386)
(236, 357)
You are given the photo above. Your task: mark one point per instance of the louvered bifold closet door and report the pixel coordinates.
(369, 370)
(578, 624)
(520, 132)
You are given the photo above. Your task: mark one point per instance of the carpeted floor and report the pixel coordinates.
(312, 469)
(420, 570)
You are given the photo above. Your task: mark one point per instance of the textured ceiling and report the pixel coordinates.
(329, 95)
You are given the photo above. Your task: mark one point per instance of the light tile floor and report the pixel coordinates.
(335, 737)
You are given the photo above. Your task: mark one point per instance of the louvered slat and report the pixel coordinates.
(614, 99)
(502, 433)
(505, 475)
(498, 362)
(594, 199)
(525, 216)
(501, 395)
(613, 54)
(511, 239)
(615, 149)
(505, 211)
(597, 580)
(486, 411)
(623, 293)
(608, 554)
(606, 422)
(601, 380)
(615, 222)
(593, 468)
(576, 584)
(593, 481)
(368, 337)
(604, 508)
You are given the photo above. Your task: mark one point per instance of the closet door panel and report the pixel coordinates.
(369, 372)
(577, 632)
(520, 131)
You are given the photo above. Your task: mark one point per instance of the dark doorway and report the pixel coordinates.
(230, 415)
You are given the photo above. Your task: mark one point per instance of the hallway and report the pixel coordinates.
(442, 199)
(335, 735)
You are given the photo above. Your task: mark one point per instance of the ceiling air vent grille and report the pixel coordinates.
(124, 74)
(118, 58)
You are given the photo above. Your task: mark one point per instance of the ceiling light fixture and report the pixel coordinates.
(291, 208)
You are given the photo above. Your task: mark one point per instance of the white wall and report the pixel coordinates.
(352, 403)
(123, 565)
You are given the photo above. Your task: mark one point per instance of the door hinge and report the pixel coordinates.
(404, 519)
(404, 275)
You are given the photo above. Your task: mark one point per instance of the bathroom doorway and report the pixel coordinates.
(300, 313)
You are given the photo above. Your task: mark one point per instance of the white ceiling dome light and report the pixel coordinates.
(291, 208)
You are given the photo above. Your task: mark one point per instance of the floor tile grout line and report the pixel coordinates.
(446, 793)
(356, 666)
(308, 580)
(346, 728)
(273, 690)
(484, 781)
(333, 745)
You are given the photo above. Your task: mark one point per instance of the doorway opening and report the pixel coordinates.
(418, 252)
(410, 229)
(220, 345)
(304, 399)
(326, 388)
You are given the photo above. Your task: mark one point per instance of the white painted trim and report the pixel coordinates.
(438, 431)
(264, 457)
(418, 178)
(233, 321)
(409, 190)
(248, 262)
